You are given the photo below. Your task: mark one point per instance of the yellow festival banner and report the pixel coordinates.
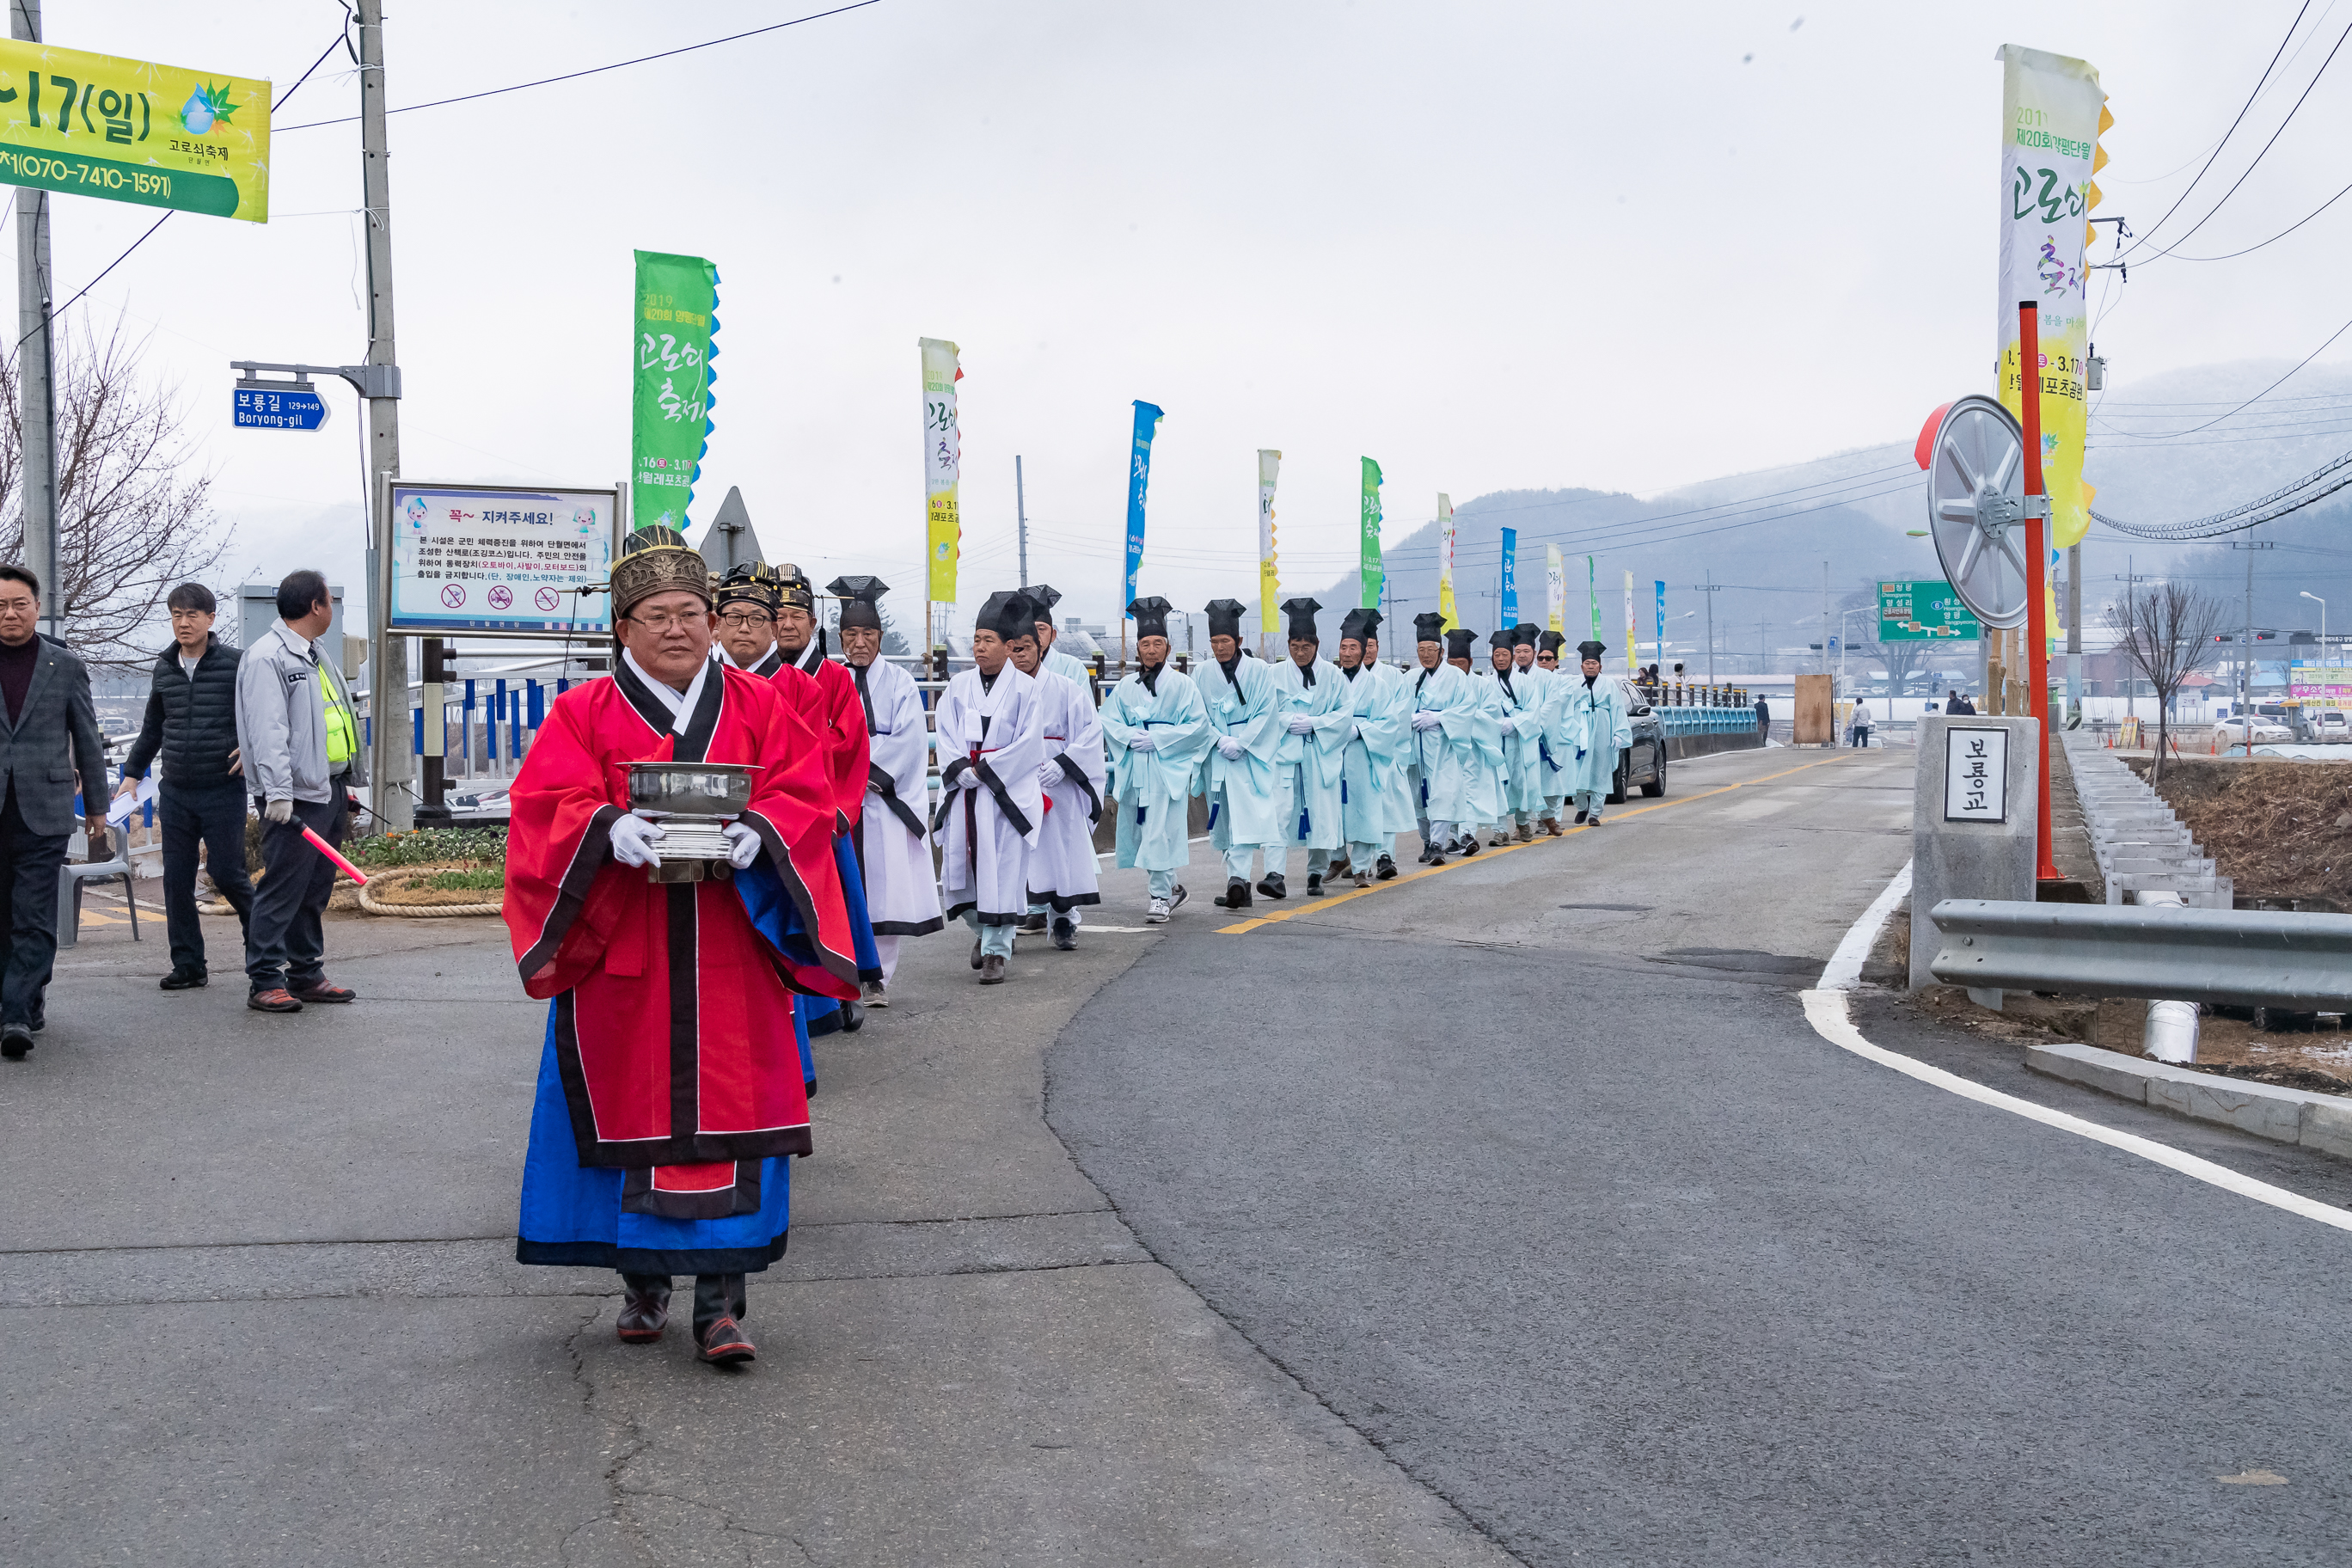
(1445, 561)
(1555, 589)
(1632, 637)
(131, 131)
(942, 466)
(2053, 114)
(1269, 575)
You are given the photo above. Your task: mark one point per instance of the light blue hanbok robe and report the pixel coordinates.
(1552, 756)
(1248, 795)
(1057, 662)
(1598, 729)
(1490, 795)
(1403, 782)
(1313, 760)
(1521, 726)
(1151, 790)
(1457, 760)
(1372, 760)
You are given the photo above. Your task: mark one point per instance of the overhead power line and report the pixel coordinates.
(2315, 486)
(2242, 110)
(2249, 403)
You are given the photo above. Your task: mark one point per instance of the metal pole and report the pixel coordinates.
(395, 805)
(1825, 621)
(36, 392)
(2075, 632)
(2037, 580)
(1709, 591)
(1020, 509)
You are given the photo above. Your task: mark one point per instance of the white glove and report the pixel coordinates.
(634, 839)
(743, 845)
(1350, 733)
(1143, 743)
(1229, 748)
(1425, 720)
(1048, 774)
(1299, 724)
(280, 811)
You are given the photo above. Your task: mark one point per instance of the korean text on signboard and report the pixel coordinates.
(472, 558)
(1976, 775)
(277, 407)
(131, 131)
(1924, 612)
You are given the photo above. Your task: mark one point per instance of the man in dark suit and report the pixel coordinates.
(52, 737)
(192, 721)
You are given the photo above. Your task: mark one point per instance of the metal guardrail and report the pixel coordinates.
(2247, 958)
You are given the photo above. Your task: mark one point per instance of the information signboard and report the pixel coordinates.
(131, 131)
(493, 561)
(2321, 683)
(278, 407)
(1924, 612)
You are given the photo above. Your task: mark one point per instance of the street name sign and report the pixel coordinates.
(131, 131)
(1924, 612)
(281, 406)
(1976, 776)
(490, 561)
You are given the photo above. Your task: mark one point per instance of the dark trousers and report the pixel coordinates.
(716, 1296)
(29, 867)
(216, 817)
(284, 944)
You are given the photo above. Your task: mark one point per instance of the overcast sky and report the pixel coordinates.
(1491, 246)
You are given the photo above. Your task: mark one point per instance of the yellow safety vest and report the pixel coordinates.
(343, 724)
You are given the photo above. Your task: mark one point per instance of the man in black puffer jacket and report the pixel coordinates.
(192, 718)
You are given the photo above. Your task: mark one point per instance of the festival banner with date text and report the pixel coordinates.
(1510, 610)
(1138, 482)
(1373, 573)
(1555, 590)
(1446, 561)
(942, 470)
(1269, 573)
(669, 419)
(131, 131)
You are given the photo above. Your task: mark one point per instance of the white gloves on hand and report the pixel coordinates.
(1350, 733)
(1229, 748)
(280, 811)
(634, 839)
(1048, 774)
(1299, 724)
(743, 845)
(1425, 720)
(1143, 743)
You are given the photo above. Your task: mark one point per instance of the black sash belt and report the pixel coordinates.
(889, 791)
(1077, 776)
(1012, 812)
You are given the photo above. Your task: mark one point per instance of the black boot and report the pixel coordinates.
(1236, 895)
(1314, 884)
(1273, 886)
(1066, 934)
(1384, 868)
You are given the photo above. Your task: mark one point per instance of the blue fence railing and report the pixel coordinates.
(1705, 720)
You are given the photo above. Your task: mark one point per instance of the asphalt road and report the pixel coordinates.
(1533, 1170)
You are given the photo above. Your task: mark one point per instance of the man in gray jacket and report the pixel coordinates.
(51, 744)
(298, 737)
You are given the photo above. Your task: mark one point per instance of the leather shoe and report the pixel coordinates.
(853, 1017)
(724, 1343)
(643, 1316)
(278, 1000)
(992, 970)
(1236, 896)
(185, 980)
(321, 992)
(1035, 921)
(1385, 867)
(1315, 884)
(15, 1041)
(1273, 886)
(1065, 935)
(975, 953)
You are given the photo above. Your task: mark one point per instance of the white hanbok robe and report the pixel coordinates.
(902, 892)
(1598, 728)
(1248, 794)
(1063, 870)
(1311, 762)
(1373, 759)
(1151, 790)
(990, 808)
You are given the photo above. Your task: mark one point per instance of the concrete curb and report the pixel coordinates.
(2320, 1122)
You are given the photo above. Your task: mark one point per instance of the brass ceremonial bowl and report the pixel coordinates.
(696, 801)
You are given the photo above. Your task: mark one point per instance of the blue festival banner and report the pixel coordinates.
(1510, 578)
(1662, 624)
(1147, 421)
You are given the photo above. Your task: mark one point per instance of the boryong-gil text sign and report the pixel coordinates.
(132, 131)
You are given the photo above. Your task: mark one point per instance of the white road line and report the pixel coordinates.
(1826, 1009)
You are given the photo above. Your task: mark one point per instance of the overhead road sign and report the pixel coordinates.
(132, 131)
(278, 406)
(1924, 612)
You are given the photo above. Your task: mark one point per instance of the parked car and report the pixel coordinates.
(2329, 726)
(1644, 761)
(2263, 731)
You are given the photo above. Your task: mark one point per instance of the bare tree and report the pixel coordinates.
(133, 518)
(1902, 658)
(2166, 634)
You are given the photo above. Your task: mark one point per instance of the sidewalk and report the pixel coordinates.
(257, 1276)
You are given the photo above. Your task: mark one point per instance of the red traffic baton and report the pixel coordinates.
(323, 847)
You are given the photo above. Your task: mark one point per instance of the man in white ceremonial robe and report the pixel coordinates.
(1520, 727)
(1400, 782)
(1373, 752)
(1248, 793)
(1450, 725)
(1064, 875)
(1556, 752)
(1600, 729)
(1157, 733)
(1314, 706)
(894, 849)
(990, 808)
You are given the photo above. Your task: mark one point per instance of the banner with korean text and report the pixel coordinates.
(1139, 480)
(1555, 590)
(1269, 573)
(1593, 596)
(131, 131)
(1662, 628)
(669, 420)
(1374, 574)
(1445, 561)
(942, 470)
(1510, 607)
(2053, 113)
(1632, 637)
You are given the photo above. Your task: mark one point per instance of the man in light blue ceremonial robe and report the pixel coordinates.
(1447, 724)
(1315, 721)
(1248, 794)
(1402, 785)
(1522, 693)
(1489, 794)
(1372, 757)
(1557, 752)
(1157, 733)
(1599, 730)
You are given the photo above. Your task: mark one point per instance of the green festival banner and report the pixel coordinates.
(1373, 573)
(669, 426)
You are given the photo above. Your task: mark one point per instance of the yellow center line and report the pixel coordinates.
(1243, 927)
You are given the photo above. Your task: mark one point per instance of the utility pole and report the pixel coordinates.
(2074, 630)
(1020, 509)
(1708, 588)
(2246, 652)
(389, 775)
(38, 401)
(1825, 622)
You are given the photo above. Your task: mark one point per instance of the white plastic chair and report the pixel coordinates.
(76, 872)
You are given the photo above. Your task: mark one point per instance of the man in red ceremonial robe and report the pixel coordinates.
(670, 1091)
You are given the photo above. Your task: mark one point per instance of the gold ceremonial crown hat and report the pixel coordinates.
(656, 561)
